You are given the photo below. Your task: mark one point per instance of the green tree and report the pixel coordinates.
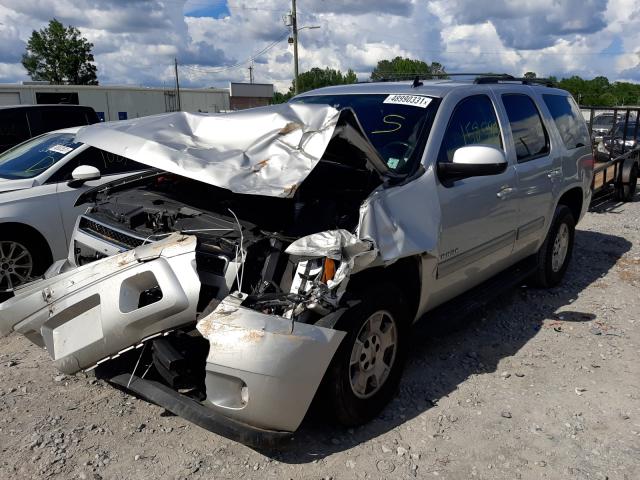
(60, 55)
(405, 69)
(280, 97)
(317, 78)
(530, 75)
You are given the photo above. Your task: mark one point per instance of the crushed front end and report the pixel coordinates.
(217, 305)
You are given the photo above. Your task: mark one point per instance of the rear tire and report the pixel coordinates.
(555, 253)
(366, 370)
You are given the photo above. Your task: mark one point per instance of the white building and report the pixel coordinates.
(117, 102)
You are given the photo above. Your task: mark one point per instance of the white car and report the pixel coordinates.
(40, 181)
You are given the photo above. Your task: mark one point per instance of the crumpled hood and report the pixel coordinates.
(262, 151)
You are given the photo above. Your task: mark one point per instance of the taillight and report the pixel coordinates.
(587, 161)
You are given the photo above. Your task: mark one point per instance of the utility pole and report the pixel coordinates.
(294, 28)
(177, 85)
(251, 73)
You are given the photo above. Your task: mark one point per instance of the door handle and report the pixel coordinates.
(555, 173)
(505, 192)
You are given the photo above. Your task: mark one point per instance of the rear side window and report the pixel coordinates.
(568, 119)
(530, 137)
(473, 122)
(14, 128)
(48, 119)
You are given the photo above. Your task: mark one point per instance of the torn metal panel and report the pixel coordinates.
(404, 220)
(262, 151)
(353, 254)
(262, 369)
(88, 313)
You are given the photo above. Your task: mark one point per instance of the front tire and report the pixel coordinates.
(555, 253)
(21, 259)
(366, 370)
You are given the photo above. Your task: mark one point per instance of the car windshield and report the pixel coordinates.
(603, 121)
(631, 128)
(36, 155)
(395, 124)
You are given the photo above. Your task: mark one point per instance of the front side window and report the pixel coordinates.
(473, 122)
(36, 155)
(568, 119)
(107, 163)
(530, 137)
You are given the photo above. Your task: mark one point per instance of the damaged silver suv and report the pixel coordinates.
(281, 253)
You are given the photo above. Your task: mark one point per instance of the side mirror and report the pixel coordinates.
(473, 161)
(82, 174)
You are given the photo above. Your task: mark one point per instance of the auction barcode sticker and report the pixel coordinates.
(60, 149)
(413, 100)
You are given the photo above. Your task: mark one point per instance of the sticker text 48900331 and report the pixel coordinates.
(412, 100)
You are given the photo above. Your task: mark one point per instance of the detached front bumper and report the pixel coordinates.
(89, 313)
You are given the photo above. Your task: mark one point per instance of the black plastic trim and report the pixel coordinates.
(199, 414)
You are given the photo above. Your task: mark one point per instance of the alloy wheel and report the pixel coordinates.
(373, 354)
(16, 264)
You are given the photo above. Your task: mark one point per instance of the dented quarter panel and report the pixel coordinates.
(91, 312)
(281, 362)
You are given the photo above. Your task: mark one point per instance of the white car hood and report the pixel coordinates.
(262, 151)
(9, 185)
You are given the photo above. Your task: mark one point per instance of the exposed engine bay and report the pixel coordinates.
(242, 239)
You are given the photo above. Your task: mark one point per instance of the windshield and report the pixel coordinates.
(36, 155)
(603, 121)
(395, 124)
(631, 129)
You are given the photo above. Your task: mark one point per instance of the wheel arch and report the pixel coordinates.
(11, 229)
(405, 273)
(573, 199)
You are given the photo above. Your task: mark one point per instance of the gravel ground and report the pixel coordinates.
(540, 384)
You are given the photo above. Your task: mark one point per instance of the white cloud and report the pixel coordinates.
(135, 41)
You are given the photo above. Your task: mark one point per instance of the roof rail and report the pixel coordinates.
(396, 76)
(485, 77)
(509, 78)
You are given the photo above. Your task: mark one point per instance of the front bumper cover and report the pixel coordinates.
(262, 369)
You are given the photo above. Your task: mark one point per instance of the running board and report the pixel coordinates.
(471, 301)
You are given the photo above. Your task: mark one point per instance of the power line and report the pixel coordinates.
(238, 64)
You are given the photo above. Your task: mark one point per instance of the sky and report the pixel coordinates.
(215, 41)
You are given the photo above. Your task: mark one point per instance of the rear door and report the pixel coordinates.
(529, 148)
(478, 213)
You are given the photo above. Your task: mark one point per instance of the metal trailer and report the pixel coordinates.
(616, 166)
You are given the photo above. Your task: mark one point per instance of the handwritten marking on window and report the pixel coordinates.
(387, 120)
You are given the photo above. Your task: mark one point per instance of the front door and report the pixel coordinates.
(478, 213)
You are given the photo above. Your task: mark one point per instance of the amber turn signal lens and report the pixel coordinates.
(329, 270)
